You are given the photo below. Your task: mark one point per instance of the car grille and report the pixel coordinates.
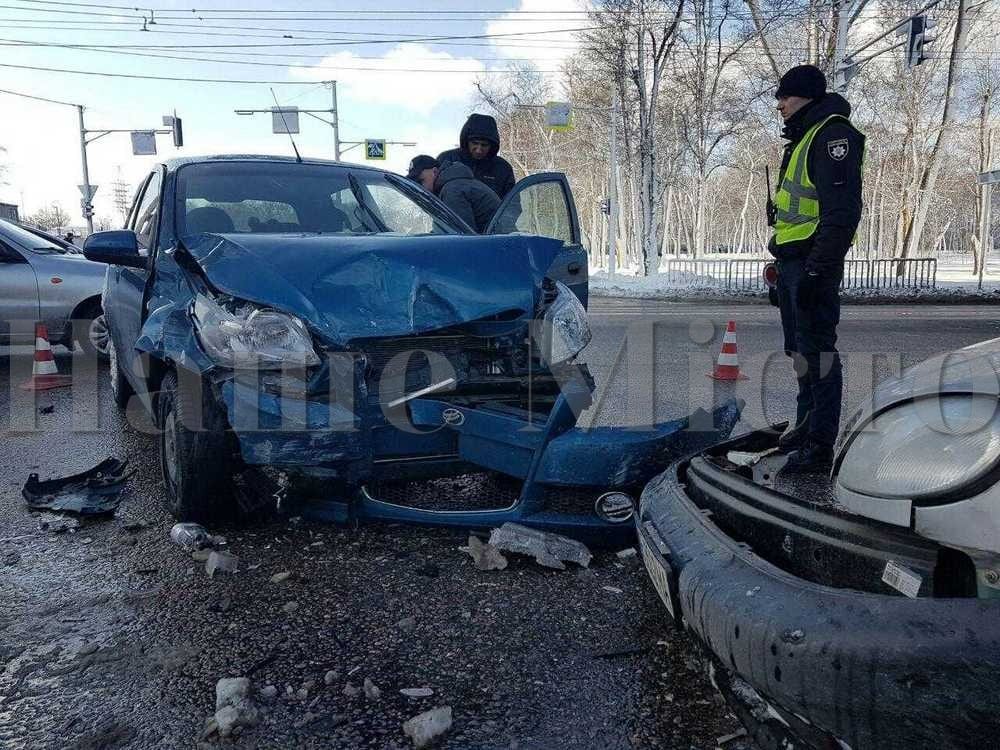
(464, 353)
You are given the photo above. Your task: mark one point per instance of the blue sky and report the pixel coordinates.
(42, 139)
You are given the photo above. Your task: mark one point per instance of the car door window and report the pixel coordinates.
(9, 254)
(540, 208)
(148, 213)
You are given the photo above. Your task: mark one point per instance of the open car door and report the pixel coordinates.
(542, 204)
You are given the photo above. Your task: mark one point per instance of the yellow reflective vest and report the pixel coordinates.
(797, 201)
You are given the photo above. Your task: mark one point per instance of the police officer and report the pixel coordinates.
(815, 215)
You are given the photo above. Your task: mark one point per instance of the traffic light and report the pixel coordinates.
(920, 34)
(174, 123)
(178, 132)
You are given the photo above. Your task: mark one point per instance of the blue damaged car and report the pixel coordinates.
(339, 328)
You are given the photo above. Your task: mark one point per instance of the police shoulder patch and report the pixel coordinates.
(838, 149)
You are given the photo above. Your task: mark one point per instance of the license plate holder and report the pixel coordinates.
(660, 573)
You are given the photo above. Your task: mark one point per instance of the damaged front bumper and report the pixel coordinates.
(560, 472)
(808, 662)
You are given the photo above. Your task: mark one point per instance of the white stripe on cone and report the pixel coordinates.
(729, 337)
(44, 368)
(729, 359)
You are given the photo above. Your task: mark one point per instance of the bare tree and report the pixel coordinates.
(635, 38)
(51, 217)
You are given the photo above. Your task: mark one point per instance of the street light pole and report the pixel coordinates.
(87, 214)
(613, 191)
(336, 120)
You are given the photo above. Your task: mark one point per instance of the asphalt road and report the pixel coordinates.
(112, 637)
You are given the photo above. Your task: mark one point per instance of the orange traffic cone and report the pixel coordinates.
(728, 366)
(44, 373)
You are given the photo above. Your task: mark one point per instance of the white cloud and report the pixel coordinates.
(533, 16)
(416, 91)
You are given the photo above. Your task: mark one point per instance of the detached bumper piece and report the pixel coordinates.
(825, 663)
(566, 480)
(95, 492)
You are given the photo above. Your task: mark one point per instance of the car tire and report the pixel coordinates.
(197, 464)
(96, 338)
(121, 389)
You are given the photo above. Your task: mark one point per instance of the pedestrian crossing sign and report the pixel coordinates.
(375, 149)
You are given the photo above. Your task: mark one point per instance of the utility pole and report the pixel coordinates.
(613, 190)
(333, 122)
(88, 213)
(986, 181)
(336, 120)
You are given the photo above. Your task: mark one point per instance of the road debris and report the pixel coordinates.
(281, 577)
(424, 728)
(611, 589)
(95, 492)
(351, 690)
(233, 707)
(486, 556)
(194, 536)
(221, 562)
(627, 553)
(201, 555)
(406, 623)
(372, 691)
(726, 739)
(549, 550)
(269, 692)
(422, 692)
(290, 607)
(47, 409)
(329, 678)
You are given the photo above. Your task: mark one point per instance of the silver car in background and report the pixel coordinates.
(41, 281)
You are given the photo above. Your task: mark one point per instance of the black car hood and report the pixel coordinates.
(351, 287)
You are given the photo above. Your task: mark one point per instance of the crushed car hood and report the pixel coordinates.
(351, 287)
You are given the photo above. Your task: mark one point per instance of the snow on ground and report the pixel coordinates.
(954, 282)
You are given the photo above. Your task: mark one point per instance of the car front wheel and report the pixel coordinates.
(196, 451)
(91, 331)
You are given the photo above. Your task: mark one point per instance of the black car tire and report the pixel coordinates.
(121, 389)
(196, 463)
(87, 326)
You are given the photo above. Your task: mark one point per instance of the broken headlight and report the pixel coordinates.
(251, 337)
(565, 327)
(924, 448)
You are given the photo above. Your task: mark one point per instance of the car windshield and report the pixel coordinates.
(255, 197)
(29, 240)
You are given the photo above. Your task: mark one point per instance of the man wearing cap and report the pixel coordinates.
(815, 215)
(457, 188)
(479, 149)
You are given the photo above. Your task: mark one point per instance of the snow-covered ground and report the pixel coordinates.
(954, 280)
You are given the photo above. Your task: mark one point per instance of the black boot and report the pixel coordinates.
(794, 435)
(811, 458)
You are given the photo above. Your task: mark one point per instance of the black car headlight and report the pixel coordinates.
(252, 337)
(925, 448)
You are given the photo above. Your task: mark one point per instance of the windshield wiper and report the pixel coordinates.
(359, 196)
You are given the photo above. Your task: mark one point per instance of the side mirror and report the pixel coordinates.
(118, 248)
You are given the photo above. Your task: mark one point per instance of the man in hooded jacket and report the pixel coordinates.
(479, 148)
(457, 188)
(815, 215)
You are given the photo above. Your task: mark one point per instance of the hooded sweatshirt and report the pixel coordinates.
(834, 165)
(493, 170)
(462, 193)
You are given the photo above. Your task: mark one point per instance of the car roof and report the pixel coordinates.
(174, 164)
